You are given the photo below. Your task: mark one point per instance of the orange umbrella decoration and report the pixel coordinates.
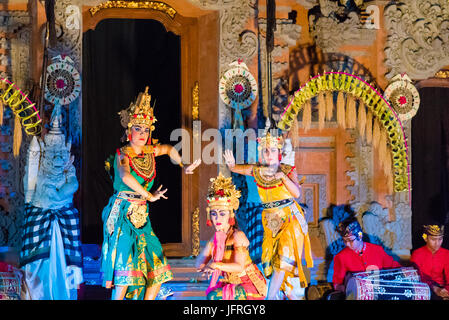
(26, 113)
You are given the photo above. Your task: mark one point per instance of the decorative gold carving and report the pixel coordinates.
(196, 232)
(137, 214)
(442, 74)
(196, 101)
(154, 5)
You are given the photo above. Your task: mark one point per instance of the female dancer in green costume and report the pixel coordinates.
(132, 262)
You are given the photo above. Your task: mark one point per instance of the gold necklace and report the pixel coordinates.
(262, 181)
(142, 164)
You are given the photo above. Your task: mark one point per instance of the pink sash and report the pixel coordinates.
(217, 254)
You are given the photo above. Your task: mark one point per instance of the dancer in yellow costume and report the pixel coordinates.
(285, 228)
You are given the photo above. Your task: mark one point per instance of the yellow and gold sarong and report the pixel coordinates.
(286, 235)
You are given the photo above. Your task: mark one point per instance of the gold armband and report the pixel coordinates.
(240, 249)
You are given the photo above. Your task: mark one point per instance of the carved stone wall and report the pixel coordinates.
(390, 224)
(15, 46)
(314, 195)
(332, 26)
(238, 39)
(417, 37)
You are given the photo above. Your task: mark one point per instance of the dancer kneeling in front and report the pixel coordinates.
(227, 253)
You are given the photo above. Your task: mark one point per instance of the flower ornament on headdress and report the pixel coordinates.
(433, 230)
(222, 194)
(139, 113)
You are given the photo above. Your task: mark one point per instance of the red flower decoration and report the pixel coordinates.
(402, 100)
(220, 193)
(238, 88)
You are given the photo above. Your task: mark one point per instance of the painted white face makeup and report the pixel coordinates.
(139, 135)
(270, 156)
(220, 219)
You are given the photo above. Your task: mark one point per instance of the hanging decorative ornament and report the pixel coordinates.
(403, 96)
(63, 81)
(238, 89)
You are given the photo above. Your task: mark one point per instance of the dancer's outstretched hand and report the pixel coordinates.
(158, 194)
(206, 271)
(193, 166)
(229, 159)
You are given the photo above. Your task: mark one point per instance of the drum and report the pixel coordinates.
(9, 286)
(359, 288)
(319, 291)
(407, 274)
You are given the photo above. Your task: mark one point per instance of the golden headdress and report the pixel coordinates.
(222, 194)
(269, 141)
(433, 230)
(139, 113)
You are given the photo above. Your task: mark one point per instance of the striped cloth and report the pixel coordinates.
(36, 234)
(250, 214)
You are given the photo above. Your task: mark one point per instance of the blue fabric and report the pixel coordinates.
(251, 214)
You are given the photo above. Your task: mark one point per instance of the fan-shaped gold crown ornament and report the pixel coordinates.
(139, 112)
(222, 193)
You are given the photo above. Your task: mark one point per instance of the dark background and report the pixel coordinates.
(120, 58)
(430, 140)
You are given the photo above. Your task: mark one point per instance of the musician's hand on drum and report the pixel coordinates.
(445, 294)
(441, 292)
(339, 287)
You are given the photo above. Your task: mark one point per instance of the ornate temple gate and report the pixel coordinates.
(199, 33)
(195, 28)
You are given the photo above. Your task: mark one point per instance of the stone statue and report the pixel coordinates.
(288, 154)
(335, 23)
(50, 178)
(51, 246)
(394, 235)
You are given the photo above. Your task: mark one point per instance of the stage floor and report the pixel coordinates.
(186, 285)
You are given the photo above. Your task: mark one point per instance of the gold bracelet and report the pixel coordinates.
(181, 165)
(218, 265)
(150, 196)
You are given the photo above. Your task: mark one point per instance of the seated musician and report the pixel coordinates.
(358, 255)
(432, 262)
